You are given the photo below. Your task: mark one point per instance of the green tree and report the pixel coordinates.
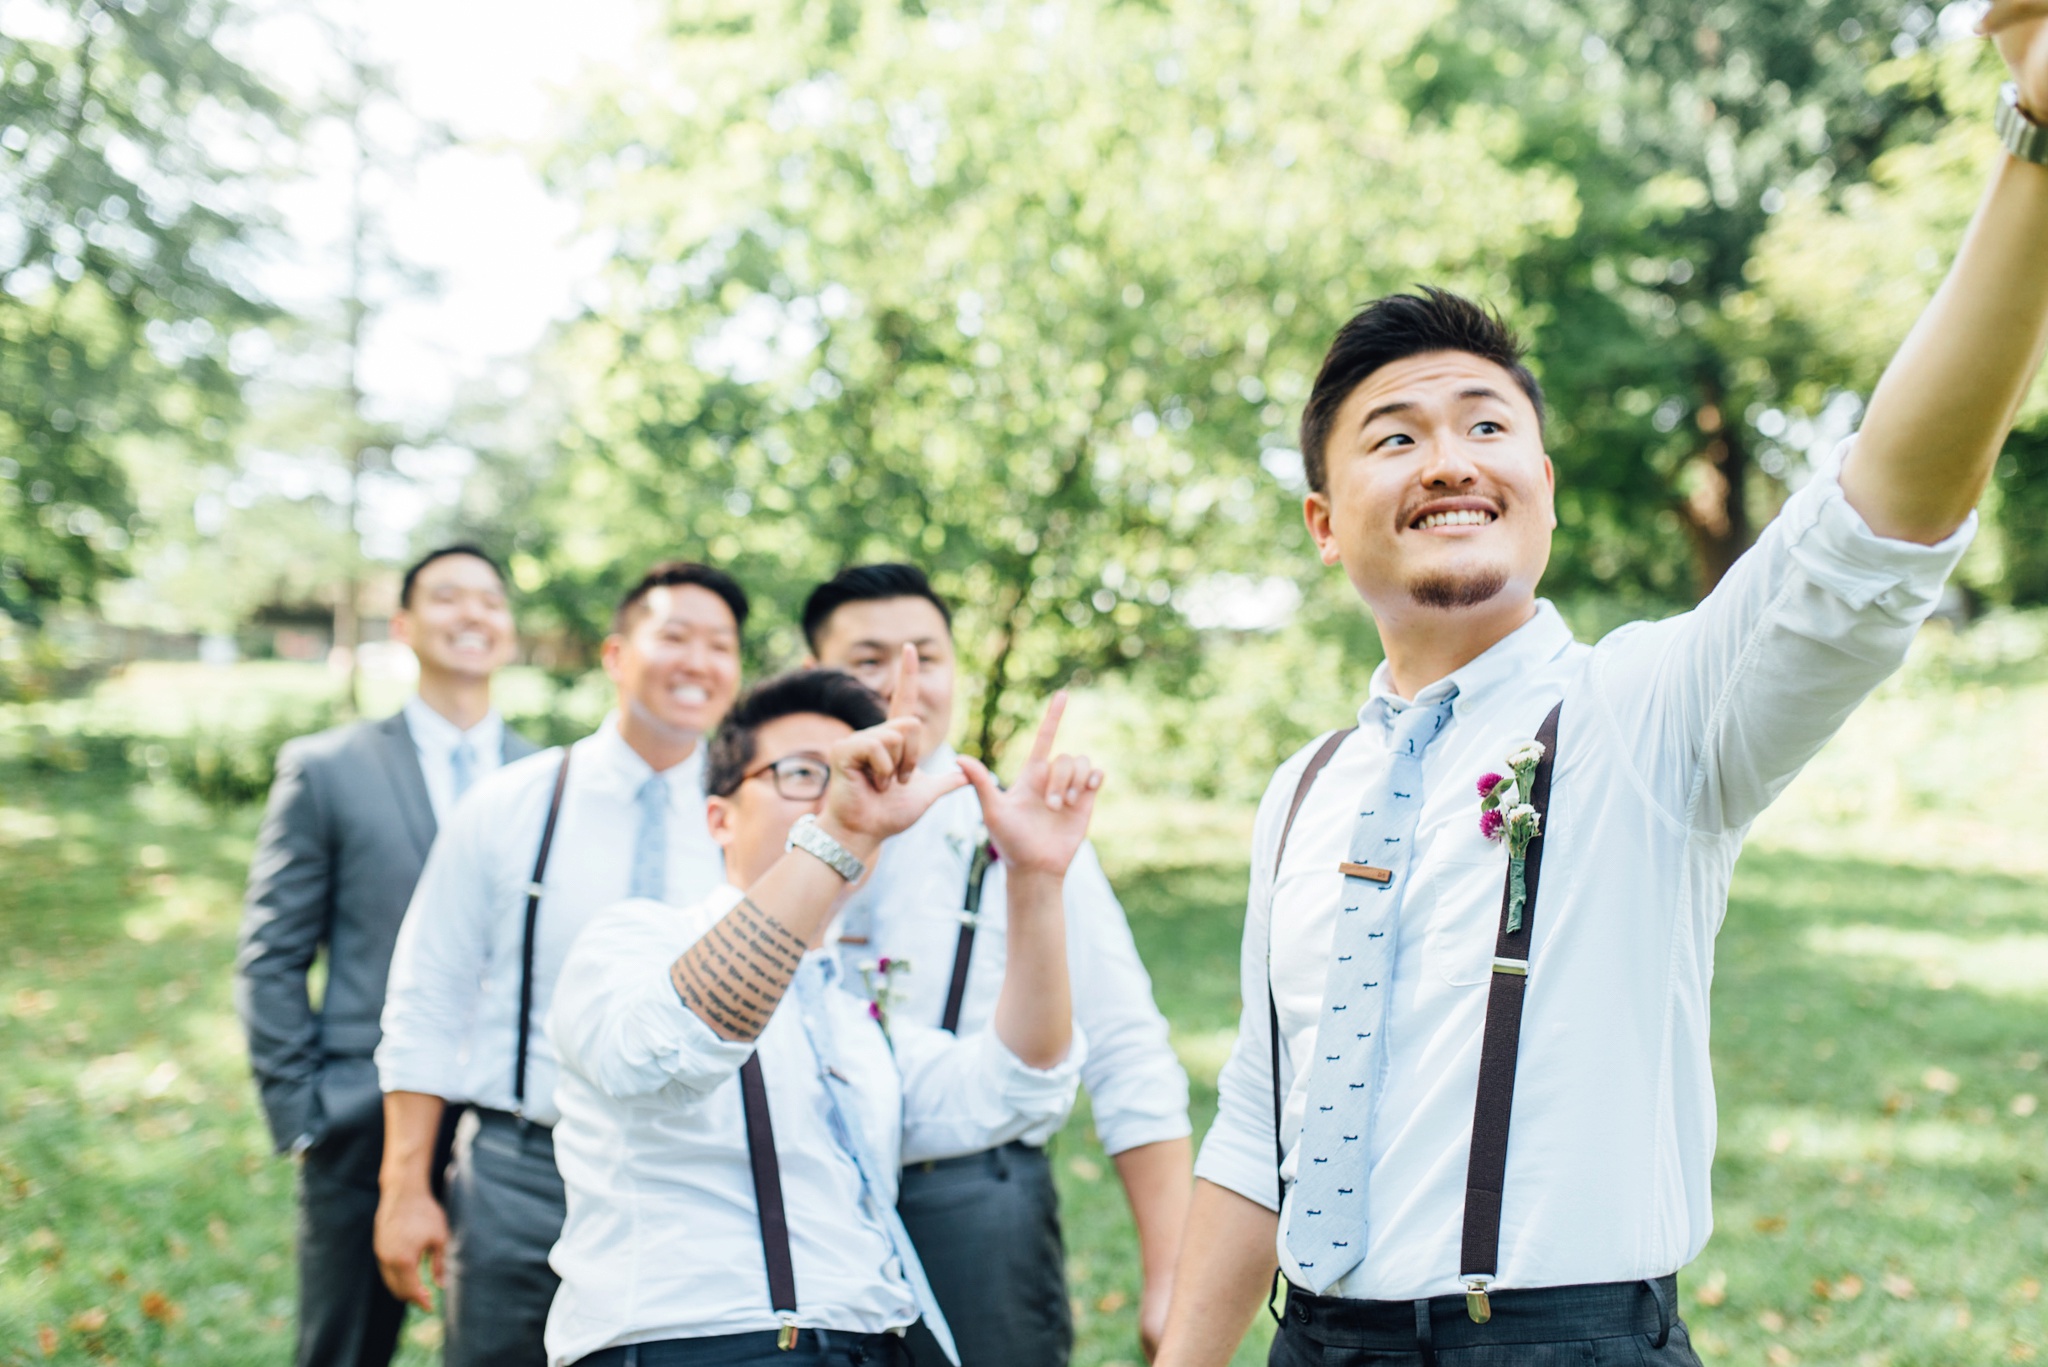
(1029, 296)
(1686, 126)
(126, 138)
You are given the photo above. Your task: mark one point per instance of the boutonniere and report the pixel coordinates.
(878, 976)
(1505, 815)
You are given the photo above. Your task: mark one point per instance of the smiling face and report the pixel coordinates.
(1437, 496)
(456, 619)
(677, 664)
(866, 639)
(752, 824)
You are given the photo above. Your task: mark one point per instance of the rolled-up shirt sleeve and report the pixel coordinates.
(1238, 1151)
(1136, 1085)
(967, 1094)
(1724, 704)
(616, 1019)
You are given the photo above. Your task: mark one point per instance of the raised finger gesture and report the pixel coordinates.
(877, 789)
(1038, 824)
(2020, 28)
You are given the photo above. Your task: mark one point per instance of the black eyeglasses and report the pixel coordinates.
(800, 778)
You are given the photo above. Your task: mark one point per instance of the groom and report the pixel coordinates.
(1488, 1092)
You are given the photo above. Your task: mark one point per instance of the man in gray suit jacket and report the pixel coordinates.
(351, 816)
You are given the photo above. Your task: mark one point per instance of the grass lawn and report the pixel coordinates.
(1881, 1012)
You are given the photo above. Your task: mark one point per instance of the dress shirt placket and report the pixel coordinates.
(846, 1133)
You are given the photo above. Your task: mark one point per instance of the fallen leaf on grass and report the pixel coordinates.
(1111, 1302)
(1898, 1287)
(1849, 1287)
(2020, 1351)
(1084, 1169)
(46, 1340)
(2030, 1288)
(1714, 1290)
(2025, 1104)
(1771, 1322)
(1770, 1224)
(1781, 1356)
(1941, 1080)
(159, 1307)
(90, 1321)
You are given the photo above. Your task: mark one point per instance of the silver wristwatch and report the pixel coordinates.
(809, 837)
(2021, 136)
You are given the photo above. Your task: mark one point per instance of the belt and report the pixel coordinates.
(986, 1157)
(1550, 1314)
(880, 1349)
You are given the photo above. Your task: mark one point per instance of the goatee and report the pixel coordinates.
(1449, 592)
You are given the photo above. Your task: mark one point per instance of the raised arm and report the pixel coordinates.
(1941, 413)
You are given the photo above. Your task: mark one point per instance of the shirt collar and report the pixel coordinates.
(621, 765)
(1537, 641)
(437, 735)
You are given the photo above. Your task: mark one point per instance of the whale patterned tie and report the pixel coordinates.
(1326, 1227)
(650, 848)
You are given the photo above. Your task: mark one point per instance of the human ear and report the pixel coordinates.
(1315, 511)
(721, 817)
(614, 648)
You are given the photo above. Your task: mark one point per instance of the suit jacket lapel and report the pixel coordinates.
(401, 761)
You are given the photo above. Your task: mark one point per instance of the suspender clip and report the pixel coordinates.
(785, 1337)
(1476, 1304)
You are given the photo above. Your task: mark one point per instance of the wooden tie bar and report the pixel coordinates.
(1367, 872)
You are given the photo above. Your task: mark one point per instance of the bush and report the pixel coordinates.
(231, 768)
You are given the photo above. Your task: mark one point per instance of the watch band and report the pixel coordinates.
(2020, 135)
(809, 837)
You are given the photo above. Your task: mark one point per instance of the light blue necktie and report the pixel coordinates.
(650, 848)
(812, 981)
(1326, 1229)
(462, 768)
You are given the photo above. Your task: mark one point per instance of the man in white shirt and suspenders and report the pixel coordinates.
(987, 1223)
(1479, 939)
(535, 852)
(733, 1121)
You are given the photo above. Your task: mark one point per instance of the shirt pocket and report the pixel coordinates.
(1461, 903)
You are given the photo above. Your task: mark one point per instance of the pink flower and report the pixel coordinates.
(1493, 824)
(1487, 783)
(883, 967)
(875, 1010)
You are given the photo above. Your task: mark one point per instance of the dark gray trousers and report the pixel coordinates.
(1620, 1324)
(987, 1228)
(505, 1211)
(346, 1317)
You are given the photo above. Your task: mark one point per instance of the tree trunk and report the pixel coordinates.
(987, 745)
(1716, 511)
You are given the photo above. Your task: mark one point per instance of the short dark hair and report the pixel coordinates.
(867, 584)
(826, 692)
(672, 573)
(1393, 329)
(412, 575)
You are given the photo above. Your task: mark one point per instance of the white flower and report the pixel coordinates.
(870, 966)
(1528, 752)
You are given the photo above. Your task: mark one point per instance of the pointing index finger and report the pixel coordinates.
(1041, 748)
(903, 699)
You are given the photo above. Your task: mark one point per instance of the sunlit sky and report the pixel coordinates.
(508, 256)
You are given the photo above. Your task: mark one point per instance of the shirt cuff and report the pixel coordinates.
(420, 1066)
(1835, 547)
(1123, 1132)
(1239, 1162)
(1033, 1093)
(698, 1057)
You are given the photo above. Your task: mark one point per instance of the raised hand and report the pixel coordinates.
(877, 789)
(1038, 824)
(2017, 27)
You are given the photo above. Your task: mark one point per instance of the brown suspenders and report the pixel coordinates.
(767, 1170)
(533, 891)
(1498, 1053)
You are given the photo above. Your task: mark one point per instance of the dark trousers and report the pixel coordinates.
(505, 1211)
(346, 1317)
(826, 1347)
(1618, 1324)
(987, 1228)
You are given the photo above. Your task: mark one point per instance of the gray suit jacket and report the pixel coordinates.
(344, 837)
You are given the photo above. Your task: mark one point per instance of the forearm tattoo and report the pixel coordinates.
(734, 976)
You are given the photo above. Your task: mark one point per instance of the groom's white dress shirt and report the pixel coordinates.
(663, 1238)
(1675, 735)
(435, 740)
(451, 1010)
(911, 909)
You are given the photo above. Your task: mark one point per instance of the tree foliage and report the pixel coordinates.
(124, 130)
(1029, 296)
